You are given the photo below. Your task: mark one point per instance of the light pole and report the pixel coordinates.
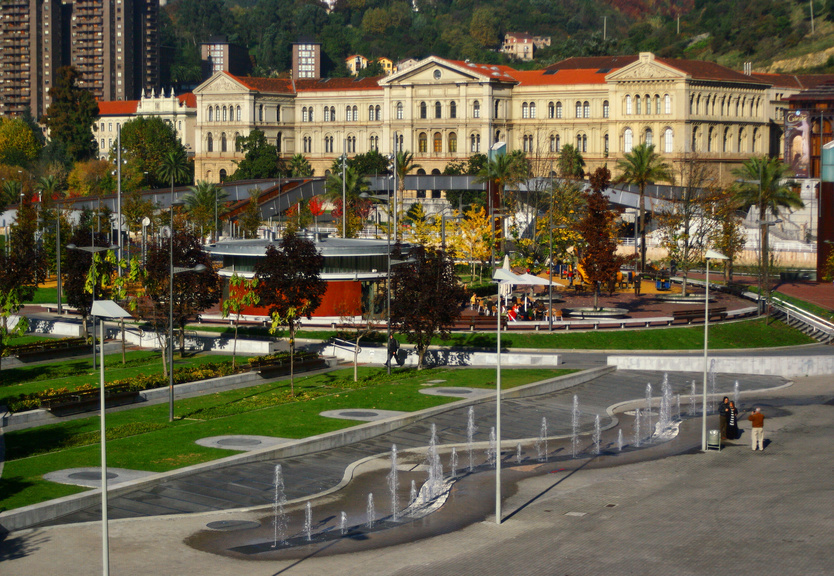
(710, 255)
(104, 309)
(92, 250)
(174, 270)
(344, 191)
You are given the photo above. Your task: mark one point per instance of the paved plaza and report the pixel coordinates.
(658, 510)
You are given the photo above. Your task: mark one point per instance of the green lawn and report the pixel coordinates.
(47, 296)
(19, 340)
(143, 439)
(74, 372)
(812, 308)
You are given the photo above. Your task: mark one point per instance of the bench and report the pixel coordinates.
(87, 400)
(479, 323)
(690, 315)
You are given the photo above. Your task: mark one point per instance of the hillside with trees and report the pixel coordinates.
(726, 31)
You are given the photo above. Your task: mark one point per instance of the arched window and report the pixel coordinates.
(755, 140)
(261, 113)
(355, 113)
(741, 141)
(328, 144)
(558, 143)
(453, 142)
(725, 140)
(667, 102)
(304, 115)
(668, 141)
(237, 114)
(475, 143)
(532, 109)
(579, 142)
(648, 104)
(628, 140)
(584, 143)
(399, 110)
(476, 109)
(326, 114)
(378, 113)
(605, 145)
(210, 114)
(694, 138)
(495, 113)
(348, 114)
(371, 113)
(424, 111)
(606, 110)
(223, 142)
(709, 138)
(277, 113)
(637, 107)
(209, 143)
(222, 174)
(438, 110)
(657, 103)
(524, 111)
(558, 109)
(332, 113)
(578, 109)
(351, 142)
(423, 142)
(278, 138)
(649, 137)
(101, 146)
(628, 104)
(453, 110)
(438, 143)
(551, 110)
(526, 143)
(552, 143)
(586, 109)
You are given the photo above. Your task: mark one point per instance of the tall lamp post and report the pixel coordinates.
(710, 255)
(104, 309)
(93, 250)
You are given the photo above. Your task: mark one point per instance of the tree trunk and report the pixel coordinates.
(421, 354)
(356, 359)
(122, 322)
(642, 219)
(292, 358)
(234, 345)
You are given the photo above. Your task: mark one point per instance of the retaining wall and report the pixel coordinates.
(785, 366)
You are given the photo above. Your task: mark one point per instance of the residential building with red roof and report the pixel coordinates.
(522, 46)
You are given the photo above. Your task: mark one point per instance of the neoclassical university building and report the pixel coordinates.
(445, 110)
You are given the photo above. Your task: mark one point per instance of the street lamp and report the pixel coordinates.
(93, 250)
(710, 255)
(104, 309)
(174, 270)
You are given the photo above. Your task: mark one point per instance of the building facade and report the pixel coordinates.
(445, 110)
(114, 44)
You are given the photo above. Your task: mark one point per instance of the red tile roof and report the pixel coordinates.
(796, 81)
(117, 107)
(498, 71)
(338, 84)
(559, 77)
(595, 62)
(703, 70)
(279, 85)
(188, 99)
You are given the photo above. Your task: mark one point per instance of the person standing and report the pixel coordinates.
(757, 432)
(723, 416)
(732, 422)
(393, 347)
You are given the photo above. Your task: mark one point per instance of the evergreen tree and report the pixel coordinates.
(71, 115)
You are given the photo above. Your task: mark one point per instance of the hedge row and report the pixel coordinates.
(44, 346)
(139, 383)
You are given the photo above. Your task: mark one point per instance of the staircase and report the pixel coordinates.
(802, 320)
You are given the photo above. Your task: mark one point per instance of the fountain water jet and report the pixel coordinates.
(279, 518)
(412, 494)
(470, 435)
(453, 463)
(597, 434)
(541, 443)
(648, 412)
(393, 483)
(492, 455)
(308, 522)
(342, 523)
(435, 480)
(637, 439)
(371, 514)
(693, 395)
(735, 394)
(518, 453)
(620, 440)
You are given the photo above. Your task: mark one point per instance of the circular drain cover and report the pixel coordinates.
(454, 391)
(232, 525)
(238, 442)
(91, 475)
(359, 414)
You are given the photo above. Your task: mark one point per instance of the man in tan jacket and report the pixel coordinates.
(757, 432)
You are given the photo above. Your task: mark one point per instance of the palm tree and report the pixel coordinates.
(173, 167)
(49, 186)
(763, 182)
(641, 167)
(500, 171)
(300, 166)
(355, 184)
(404, 166)
(571, 163)
(202, 202)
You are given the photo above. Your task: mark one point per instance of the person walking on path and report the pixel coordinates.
(393, 347)
(757, 418)
(724, 416)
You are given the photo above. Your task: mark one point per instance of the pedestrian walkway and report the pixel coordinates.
(250, 485)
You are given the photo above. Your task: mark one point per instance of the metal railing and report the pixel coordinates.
(823, 330)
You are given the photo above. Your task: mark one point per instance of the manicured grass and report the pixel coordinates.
(19, 340)
(151, 443)
(44, 295)
(74, 372)
(812, 308)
